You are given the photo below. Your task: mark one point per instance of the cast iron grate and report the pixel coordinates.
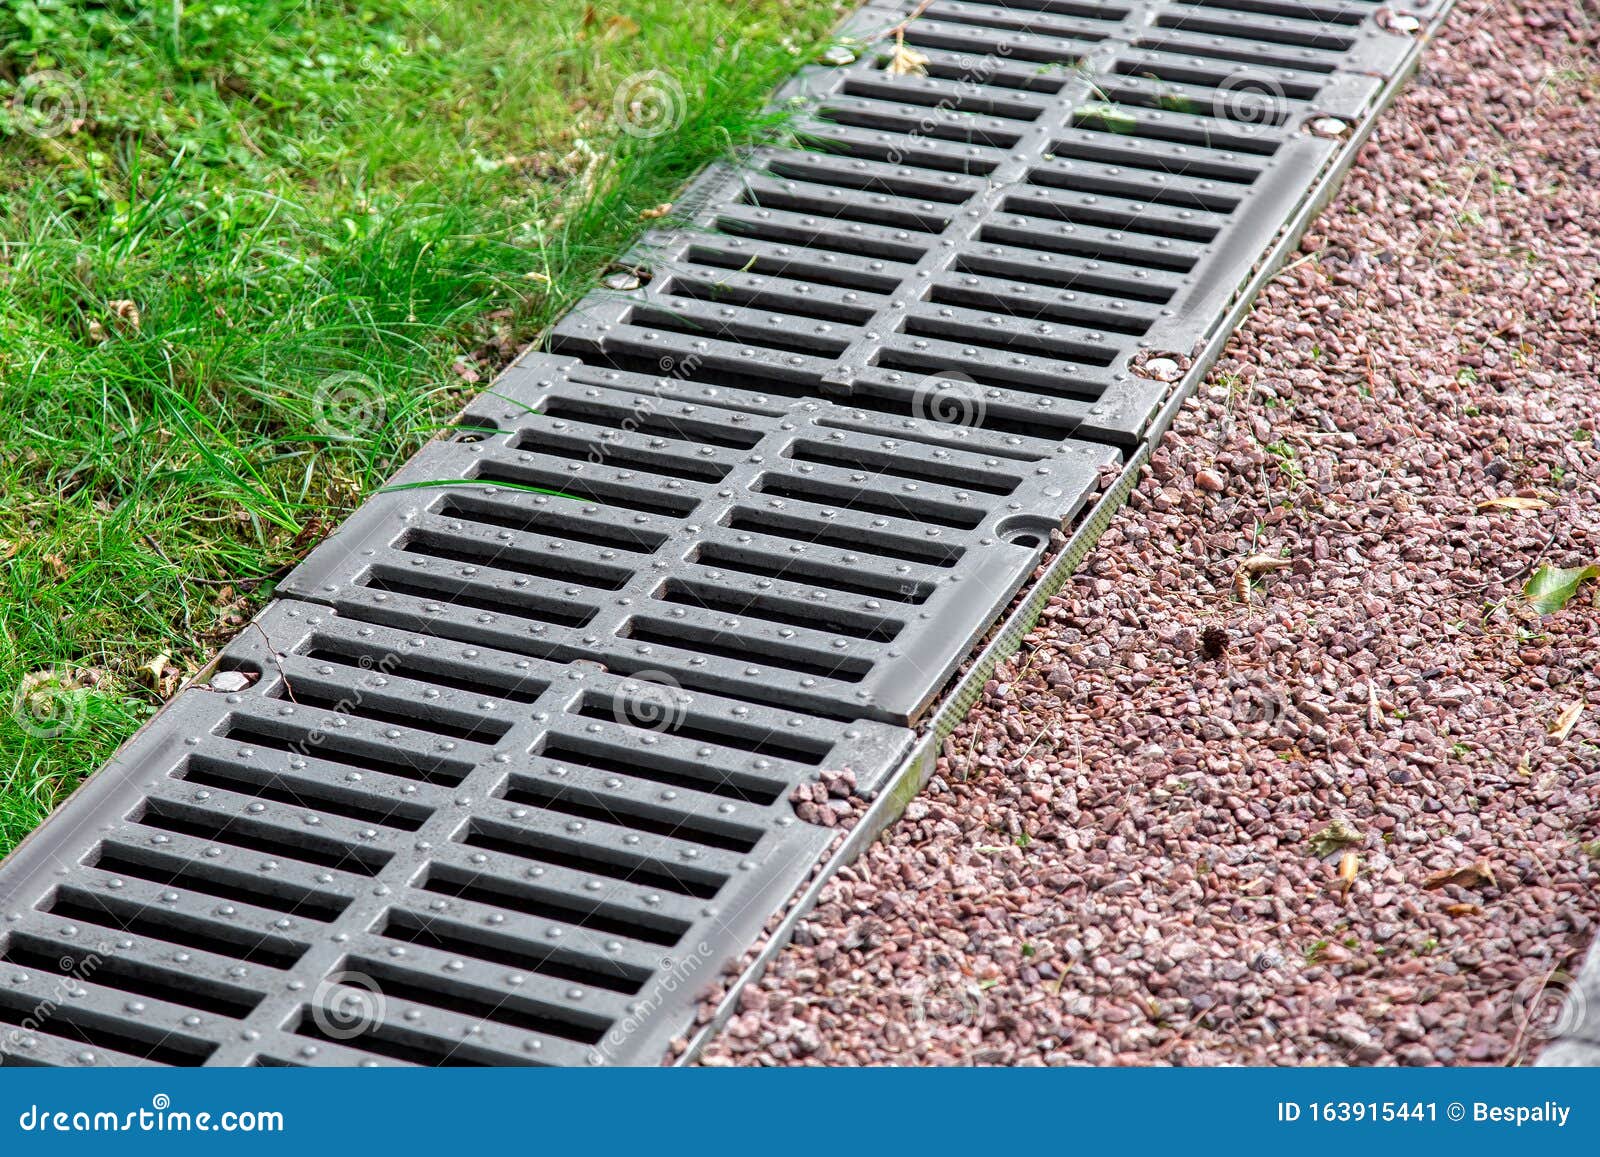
(505, 774)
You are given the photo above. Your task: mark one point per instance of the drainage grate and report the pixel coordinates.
(397, 846)
(804, 557)
(505, 774)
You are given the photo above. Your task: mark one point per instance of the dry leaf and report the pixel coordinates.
(1338, 834)
(58, 565)
(619, 26)
(1476, 875)
(1566, 721)
(152, 671)
(657, 213)
(906, 61)
(96, 332)
(1256, 564)
(1463, 909)
(126, 312)
(1349, 864)
(1513, 502)
(1263, 563)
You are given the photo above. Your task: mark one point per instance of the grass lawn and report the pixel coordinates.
(253, 253)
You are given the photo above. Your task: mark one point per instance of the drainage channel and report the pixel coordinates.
(504, 775)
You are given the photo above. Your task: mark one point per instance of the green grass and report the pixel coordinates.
(248, 251)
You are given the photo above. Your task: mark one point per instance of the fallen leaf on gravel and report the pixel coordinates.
(1513, 502)
(1476, 875)
(906, 61)
(1463, 909)
(1349, 864)
(1338, 834)
(1256, 564)
(1552, 586)
(1566, 721)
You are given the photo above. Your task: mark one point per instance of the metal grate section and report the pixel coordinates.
(1069, 188)
(394, 847)
(504, 775)
(804, 557)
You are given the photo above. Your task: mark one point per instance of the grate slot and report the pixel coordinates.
(347, 750)
(44, 954)
(547, 903)
(623, 813)
(783, 524)
(794, 297)
(247, 831)
(172, 871)
(698, 728)
(307, 691)
(1155, 64)
(384, 1041)
(706, 596)
(564, 853)
(1182, 46)
(163, 923)
(855, 457)
(519, 689)
(828, 493)
(388, 581)
(1063, 271)
(647, 418)
(778, 332)
(588, 489)
(895, 119)
(841, 205)
(1306, 34)
(480, 1004)
(514, 559)
(594, 532)
(773, 259)
(101, 1031)
(706, 640)
(448, 936)
(1012, 299)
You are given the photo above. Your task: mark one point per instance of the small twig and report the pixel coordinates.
(273, 655)
(899, 30)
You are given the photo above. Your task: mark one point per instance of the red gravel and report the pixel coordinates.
(1116, 863)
